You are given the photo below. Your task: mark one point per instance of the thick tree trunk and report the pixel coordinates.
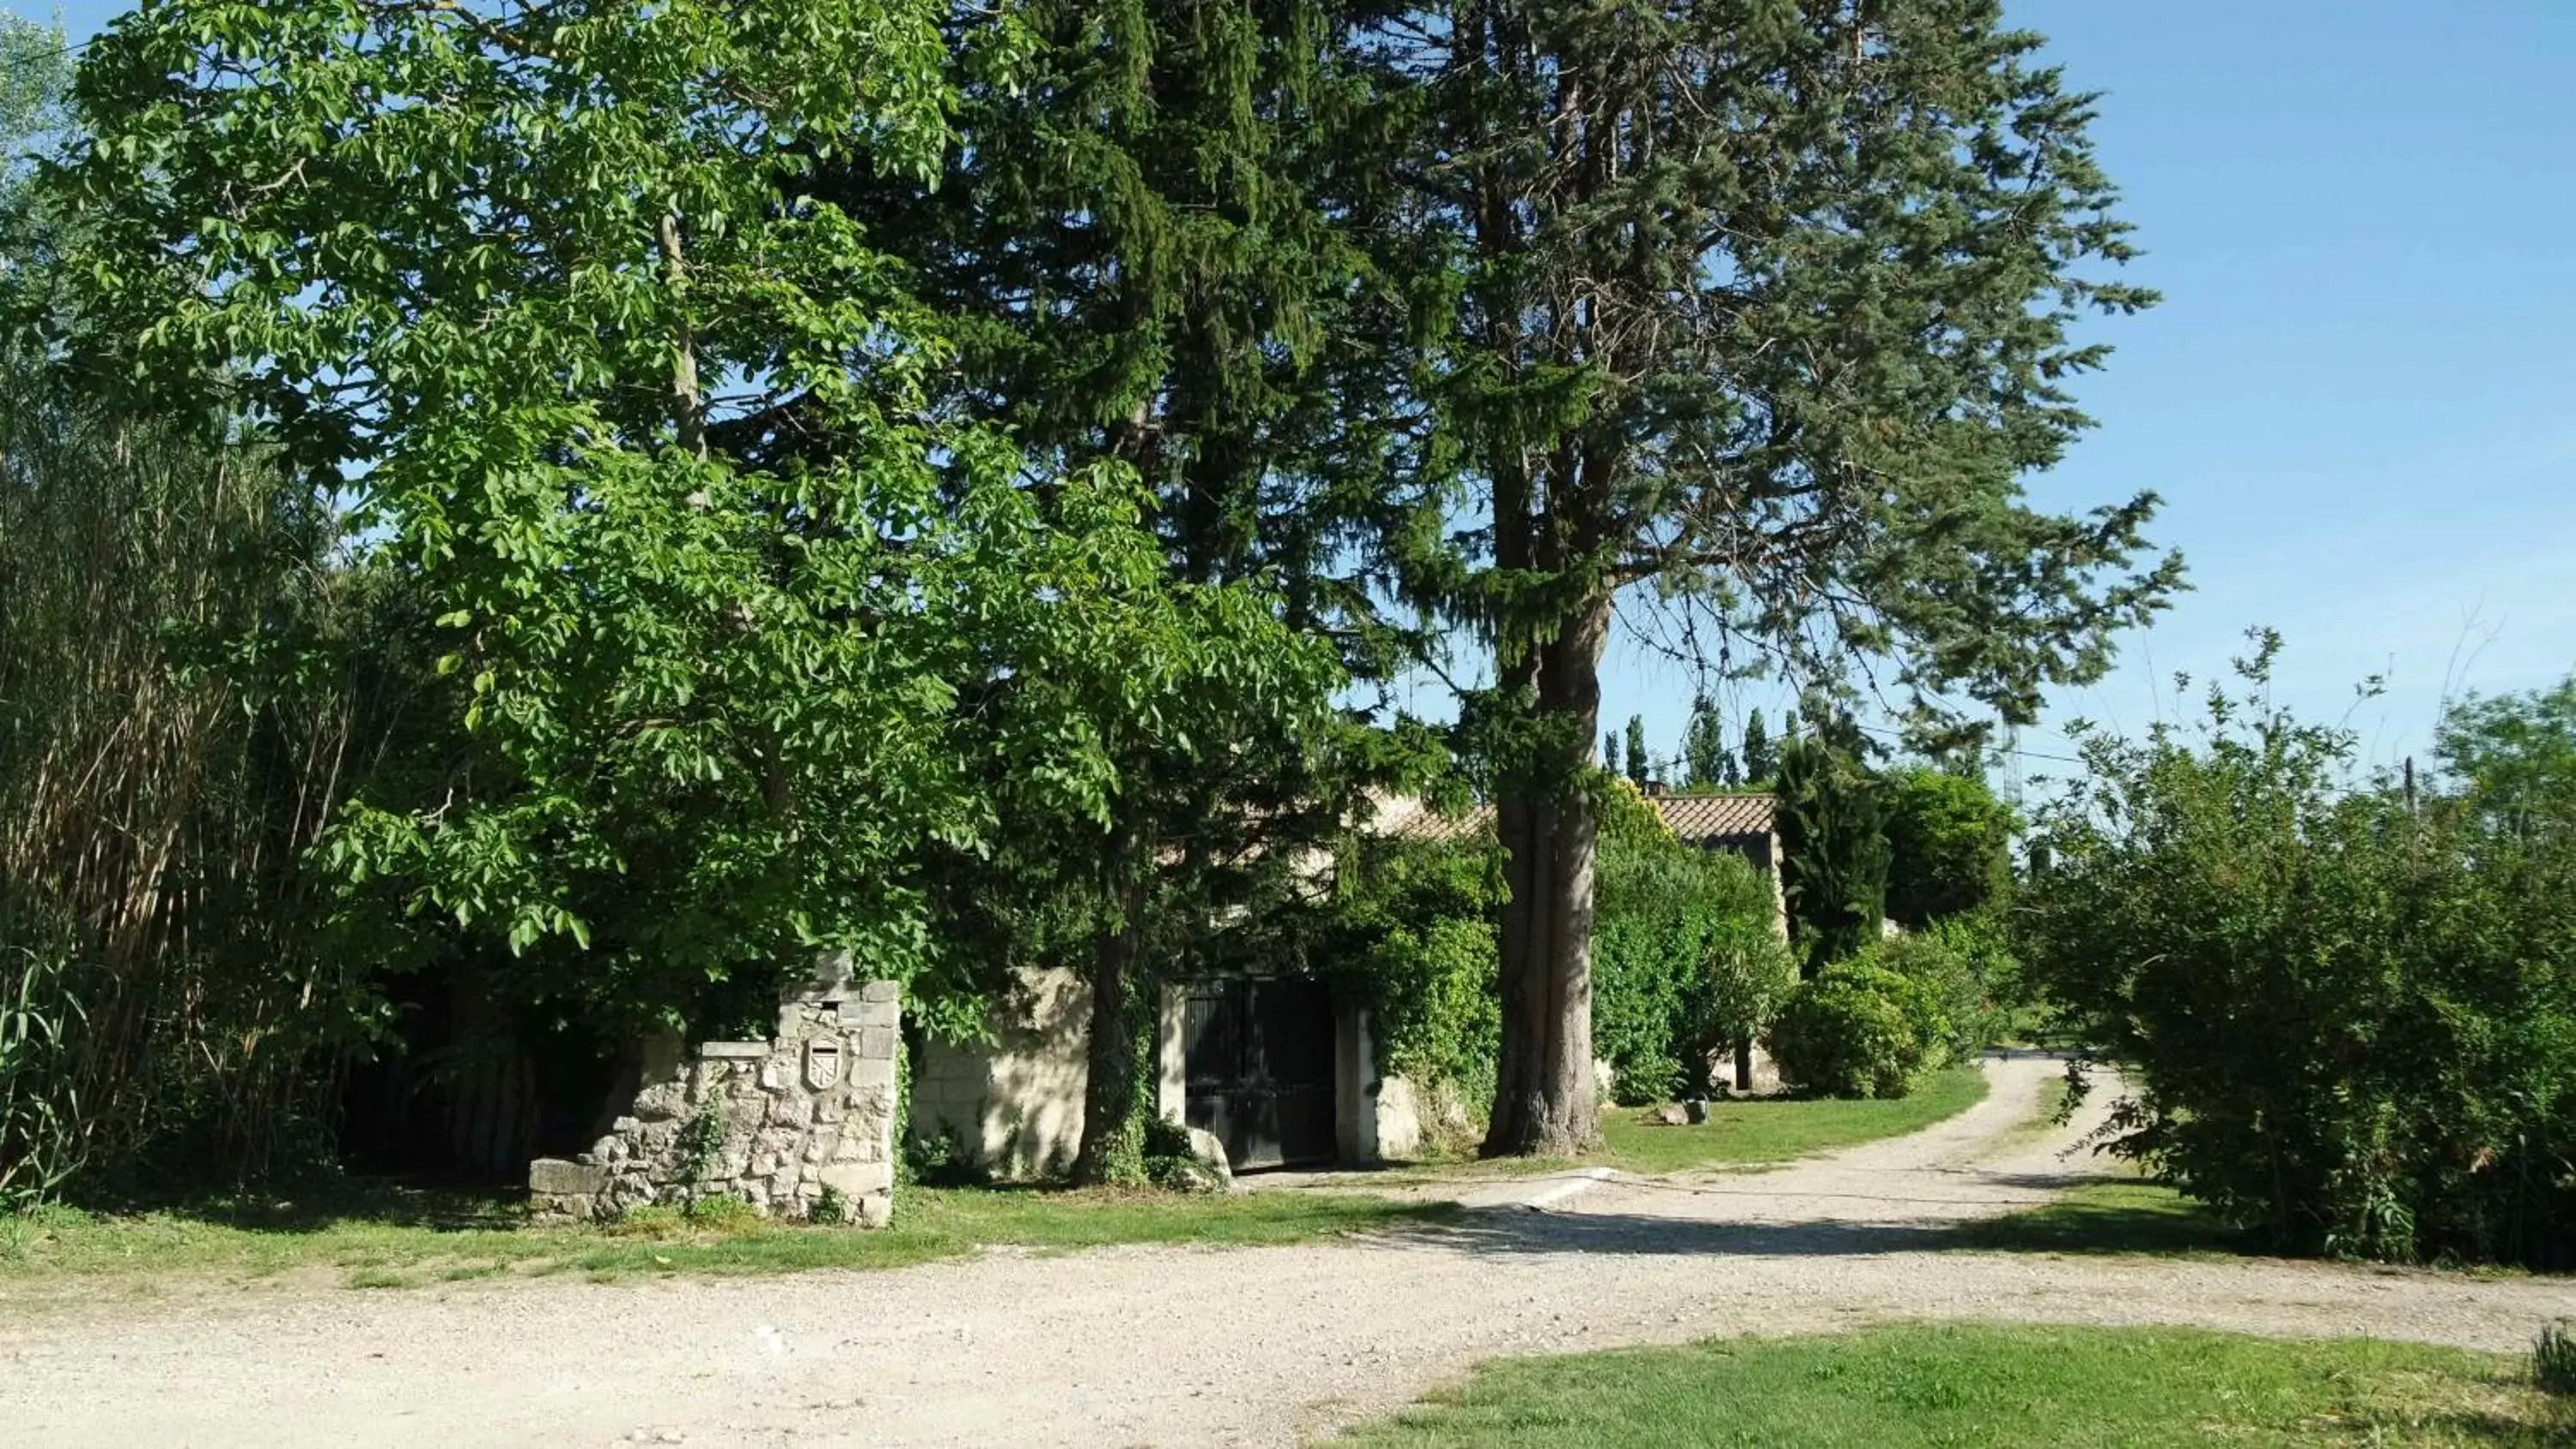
(1546, 1099)
(1110, 1119)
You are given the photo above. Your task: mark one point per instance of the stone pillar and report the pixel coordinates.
(800, 1125)
(1355, 1086)
(1172, 1056)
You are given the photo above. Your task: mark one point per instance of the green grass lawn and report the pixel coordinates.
(1992, 1387)
(1747, 1133)
(2120, 1215)
(1760, 1131)
(393, 1239)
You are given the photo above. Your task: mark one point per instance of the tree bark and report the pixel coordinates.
(1547, 1101)
(1109, 1097)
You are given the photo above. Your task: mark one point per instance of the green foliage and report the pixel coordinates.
(1706, 762)
(1857, 1030)
(2344, 1021)
(1640, 765)
(1949, 843)
(1761, 762)
(41, 1124)
(1410, 934)
(1833, 843)
(2515, 756)
(1686, 959)
(1959, 1004)
(701, 1137)
(830, 1209)
(2553, 1358)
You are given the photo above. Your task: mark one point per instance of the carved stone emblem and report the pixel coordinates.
(822, 1063)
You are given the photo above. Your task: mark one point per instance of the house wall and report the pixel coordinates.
(1015, 1106)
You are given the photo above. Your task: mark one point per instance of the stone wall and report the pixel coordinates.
(773, 1123)
(1013, 1105)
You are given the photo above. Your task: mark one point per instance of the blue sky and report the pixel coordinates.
(2359, 399)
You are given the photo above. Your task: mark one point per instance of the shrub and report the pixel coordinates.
(2553, 1359)
(1686, 959)
(2345, 1013)
(1410, 934)
(1954, 1009)
(1854, 1031)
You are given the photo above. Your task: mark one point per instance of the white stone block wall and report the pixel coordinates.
(1015, 1103)
(772, 1123)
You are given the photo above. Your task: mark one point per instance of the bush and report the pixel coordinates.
(1410, 934)
(2345, 1012)
(1686, 959)
(2553, 1358)
(1954, 1008)
(1854, 1031)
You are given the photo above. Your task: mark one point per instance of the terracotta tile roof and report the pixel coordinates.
(1408, 818)
(1703, 818)
(1697, 819)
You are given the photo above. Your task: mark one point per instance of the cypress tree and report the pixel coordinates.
(1767, 305)
(1760, 763)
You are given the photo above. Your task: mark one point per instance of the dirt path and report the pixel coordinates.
(1174, 1346)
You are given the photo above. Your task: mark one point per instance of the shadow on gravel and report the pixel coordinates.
(2092, 1221)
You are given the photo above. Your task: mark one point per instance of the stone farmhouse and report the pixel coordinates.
(1274, 1067)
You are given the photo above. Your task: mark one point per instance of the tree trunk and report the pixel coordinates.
(1110, 1120)
(1546, 1100)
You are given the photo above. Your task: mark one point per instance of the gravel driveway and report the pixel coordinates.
(1171, 1346)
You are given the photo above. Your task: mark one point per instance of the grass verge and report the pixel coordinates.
(2117, 1215)
(391, 1238)
(1995, 1387)
(1761, 1131)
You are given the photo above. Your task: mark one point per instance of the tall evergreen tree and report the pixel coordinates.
(1833, 843)
(1140, 237)
(1640, 765)
(1761, 763)
(1710, 765)
(1767, 304)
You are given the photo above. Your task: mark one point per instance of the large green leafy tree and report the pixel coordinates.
(529, 277)
(1949, 844)
(2515, 756)
(1763, 306)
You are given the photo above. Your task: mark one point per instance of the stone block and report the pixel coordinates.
(880, 991)
(871, 1072)
(876, 1210)
(661, 1102)
(788, 1110)
(732, 1051)
(555, 1177)
(857, 1180)
(878, 1043)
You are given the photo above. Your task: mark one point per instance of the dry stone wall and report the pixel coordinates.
(788, 1125)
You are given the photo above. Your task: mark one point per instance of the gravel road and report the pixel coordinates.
(1174, 1346)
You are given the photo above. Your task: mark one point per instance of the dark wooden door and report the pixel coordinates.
(1260, 1068)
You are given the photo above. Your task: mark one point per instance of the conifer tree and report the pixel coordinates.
(1640, 766)
(1710, 764)
(1767, 305)
(1136, 239)
(1760, 763)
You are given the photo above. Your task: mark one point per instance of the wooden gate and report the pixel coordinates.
(1259, 1055)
